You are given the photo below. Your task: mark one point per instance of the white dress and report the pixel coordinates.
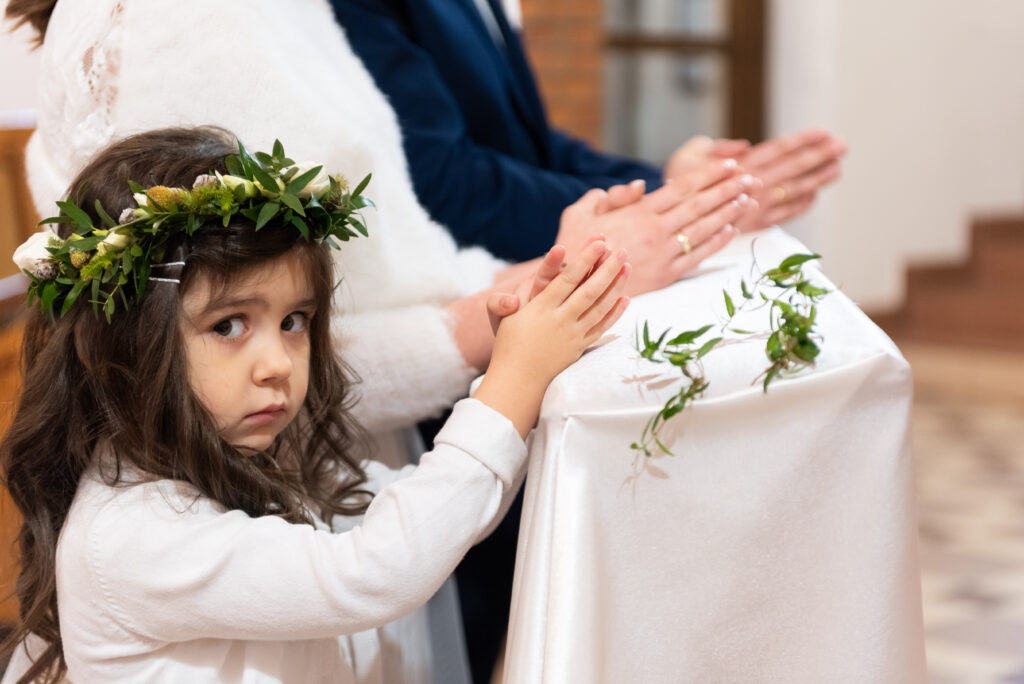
(268, 69)
(158, 584)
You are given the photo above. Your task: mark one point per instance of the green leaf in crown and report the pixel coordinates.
(113, 260)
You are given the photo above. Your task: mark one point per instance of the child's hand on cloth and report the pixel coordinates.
(501, 304)
(550, 331)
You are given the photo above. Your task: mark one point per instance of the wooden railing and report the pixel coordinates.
(10, 521)
(17, 221)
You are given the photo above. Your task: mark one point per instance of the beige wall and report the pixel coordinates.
(930, 95)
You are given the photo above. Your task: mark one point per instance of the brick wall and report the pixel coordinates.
(563, 40)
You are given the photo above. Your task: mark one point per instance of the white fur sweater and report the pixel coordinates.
(267, 69)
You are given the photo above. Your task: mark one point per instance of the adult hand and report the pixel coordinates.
(700, 150)
(794, 168)
(669, 231)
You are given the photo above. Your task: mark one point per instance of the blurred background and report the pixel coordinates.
(925, 230)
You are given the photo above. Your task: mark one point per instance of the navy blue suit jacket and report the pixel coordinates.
(483, 158)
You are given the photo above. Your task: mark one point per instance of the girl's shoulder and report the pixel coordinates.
(104, 492)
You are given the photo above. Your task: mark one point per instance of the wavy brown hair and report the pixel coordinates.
(125, 384)
(33, 12)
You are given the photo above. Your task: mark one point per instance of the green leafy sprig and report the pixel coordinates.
(792, 343)
(113, 261)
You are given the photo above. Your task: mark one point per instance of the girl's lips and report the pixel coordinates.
(267, 415)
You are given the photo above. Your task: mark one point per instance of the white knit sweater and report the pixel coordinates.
(267, 69)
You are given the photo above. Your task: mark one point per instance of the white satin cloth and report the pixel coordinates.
(778, 544)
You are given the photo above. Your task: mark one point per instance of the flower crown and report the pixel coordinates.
(119, 255)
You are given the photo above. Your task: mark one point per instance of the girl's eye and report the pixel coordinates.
(230, 328)
(295, 322)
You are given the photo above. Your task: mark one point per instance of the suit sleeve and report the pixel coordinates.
(574, 156)
(482, 196)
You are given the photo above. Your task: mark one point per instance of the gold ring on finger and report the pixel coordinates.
(684, 241)
(779, 194)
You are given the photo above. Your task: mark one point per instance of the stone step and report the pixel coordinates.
(964, 315)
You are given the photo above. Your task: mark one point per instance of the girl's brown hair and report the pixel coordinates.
(123, 386)
(34, 12)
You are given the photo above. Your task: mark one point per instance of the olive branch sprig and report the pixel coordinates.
(792, 343)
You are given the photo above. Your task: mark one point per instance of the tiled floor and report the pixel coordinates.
(969, 450)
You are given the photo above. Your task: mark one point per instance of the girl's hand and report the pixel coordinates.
(552, 330)
(501, 304)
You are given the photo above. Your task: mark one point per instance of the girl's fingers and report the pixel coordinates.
(599, 281)
(679, 189)
(499, 305)
(572, 275)
(685, 263)
(707, 201)
(618, 308)
(549, 268)
(600, 308)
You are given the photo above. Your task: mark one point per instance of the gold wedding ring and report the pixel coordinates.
(779, 194)
(684, 241)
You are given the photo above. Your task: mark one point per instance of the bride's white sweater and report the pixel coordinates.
(268, 69)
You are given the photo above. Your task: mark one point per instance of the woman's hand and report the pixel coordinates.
(700, 150)
(794, 168)
(551, 331)
(669, 231)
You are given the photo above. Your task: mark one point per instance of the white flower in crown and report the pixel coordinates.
(232, 182)
(33, 257)
(320, 183)
(114, 242)
(127, 216)
(205, 180)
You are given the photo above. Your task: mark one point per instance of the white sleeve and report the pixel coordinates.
(174, 575)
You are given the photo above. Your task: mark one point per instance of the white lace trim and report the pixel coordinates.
(98, 70)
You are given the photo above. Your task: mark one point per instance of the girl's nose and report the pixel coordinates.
(273, 363)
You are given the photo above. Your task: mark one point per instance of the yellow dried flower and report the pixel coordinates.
(79, 259)
(164, 196)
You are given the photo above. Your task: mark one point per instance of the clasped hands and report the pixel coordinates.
(792, 168)
(713, 189)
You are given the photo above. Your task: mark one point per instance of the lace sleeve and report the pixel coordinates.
(81, 64)
(97, 70)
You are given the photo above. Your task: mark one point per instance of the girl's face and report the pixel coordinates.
(248, 350)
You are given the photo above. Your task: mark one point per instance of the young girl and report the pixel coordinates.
(182, 439)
